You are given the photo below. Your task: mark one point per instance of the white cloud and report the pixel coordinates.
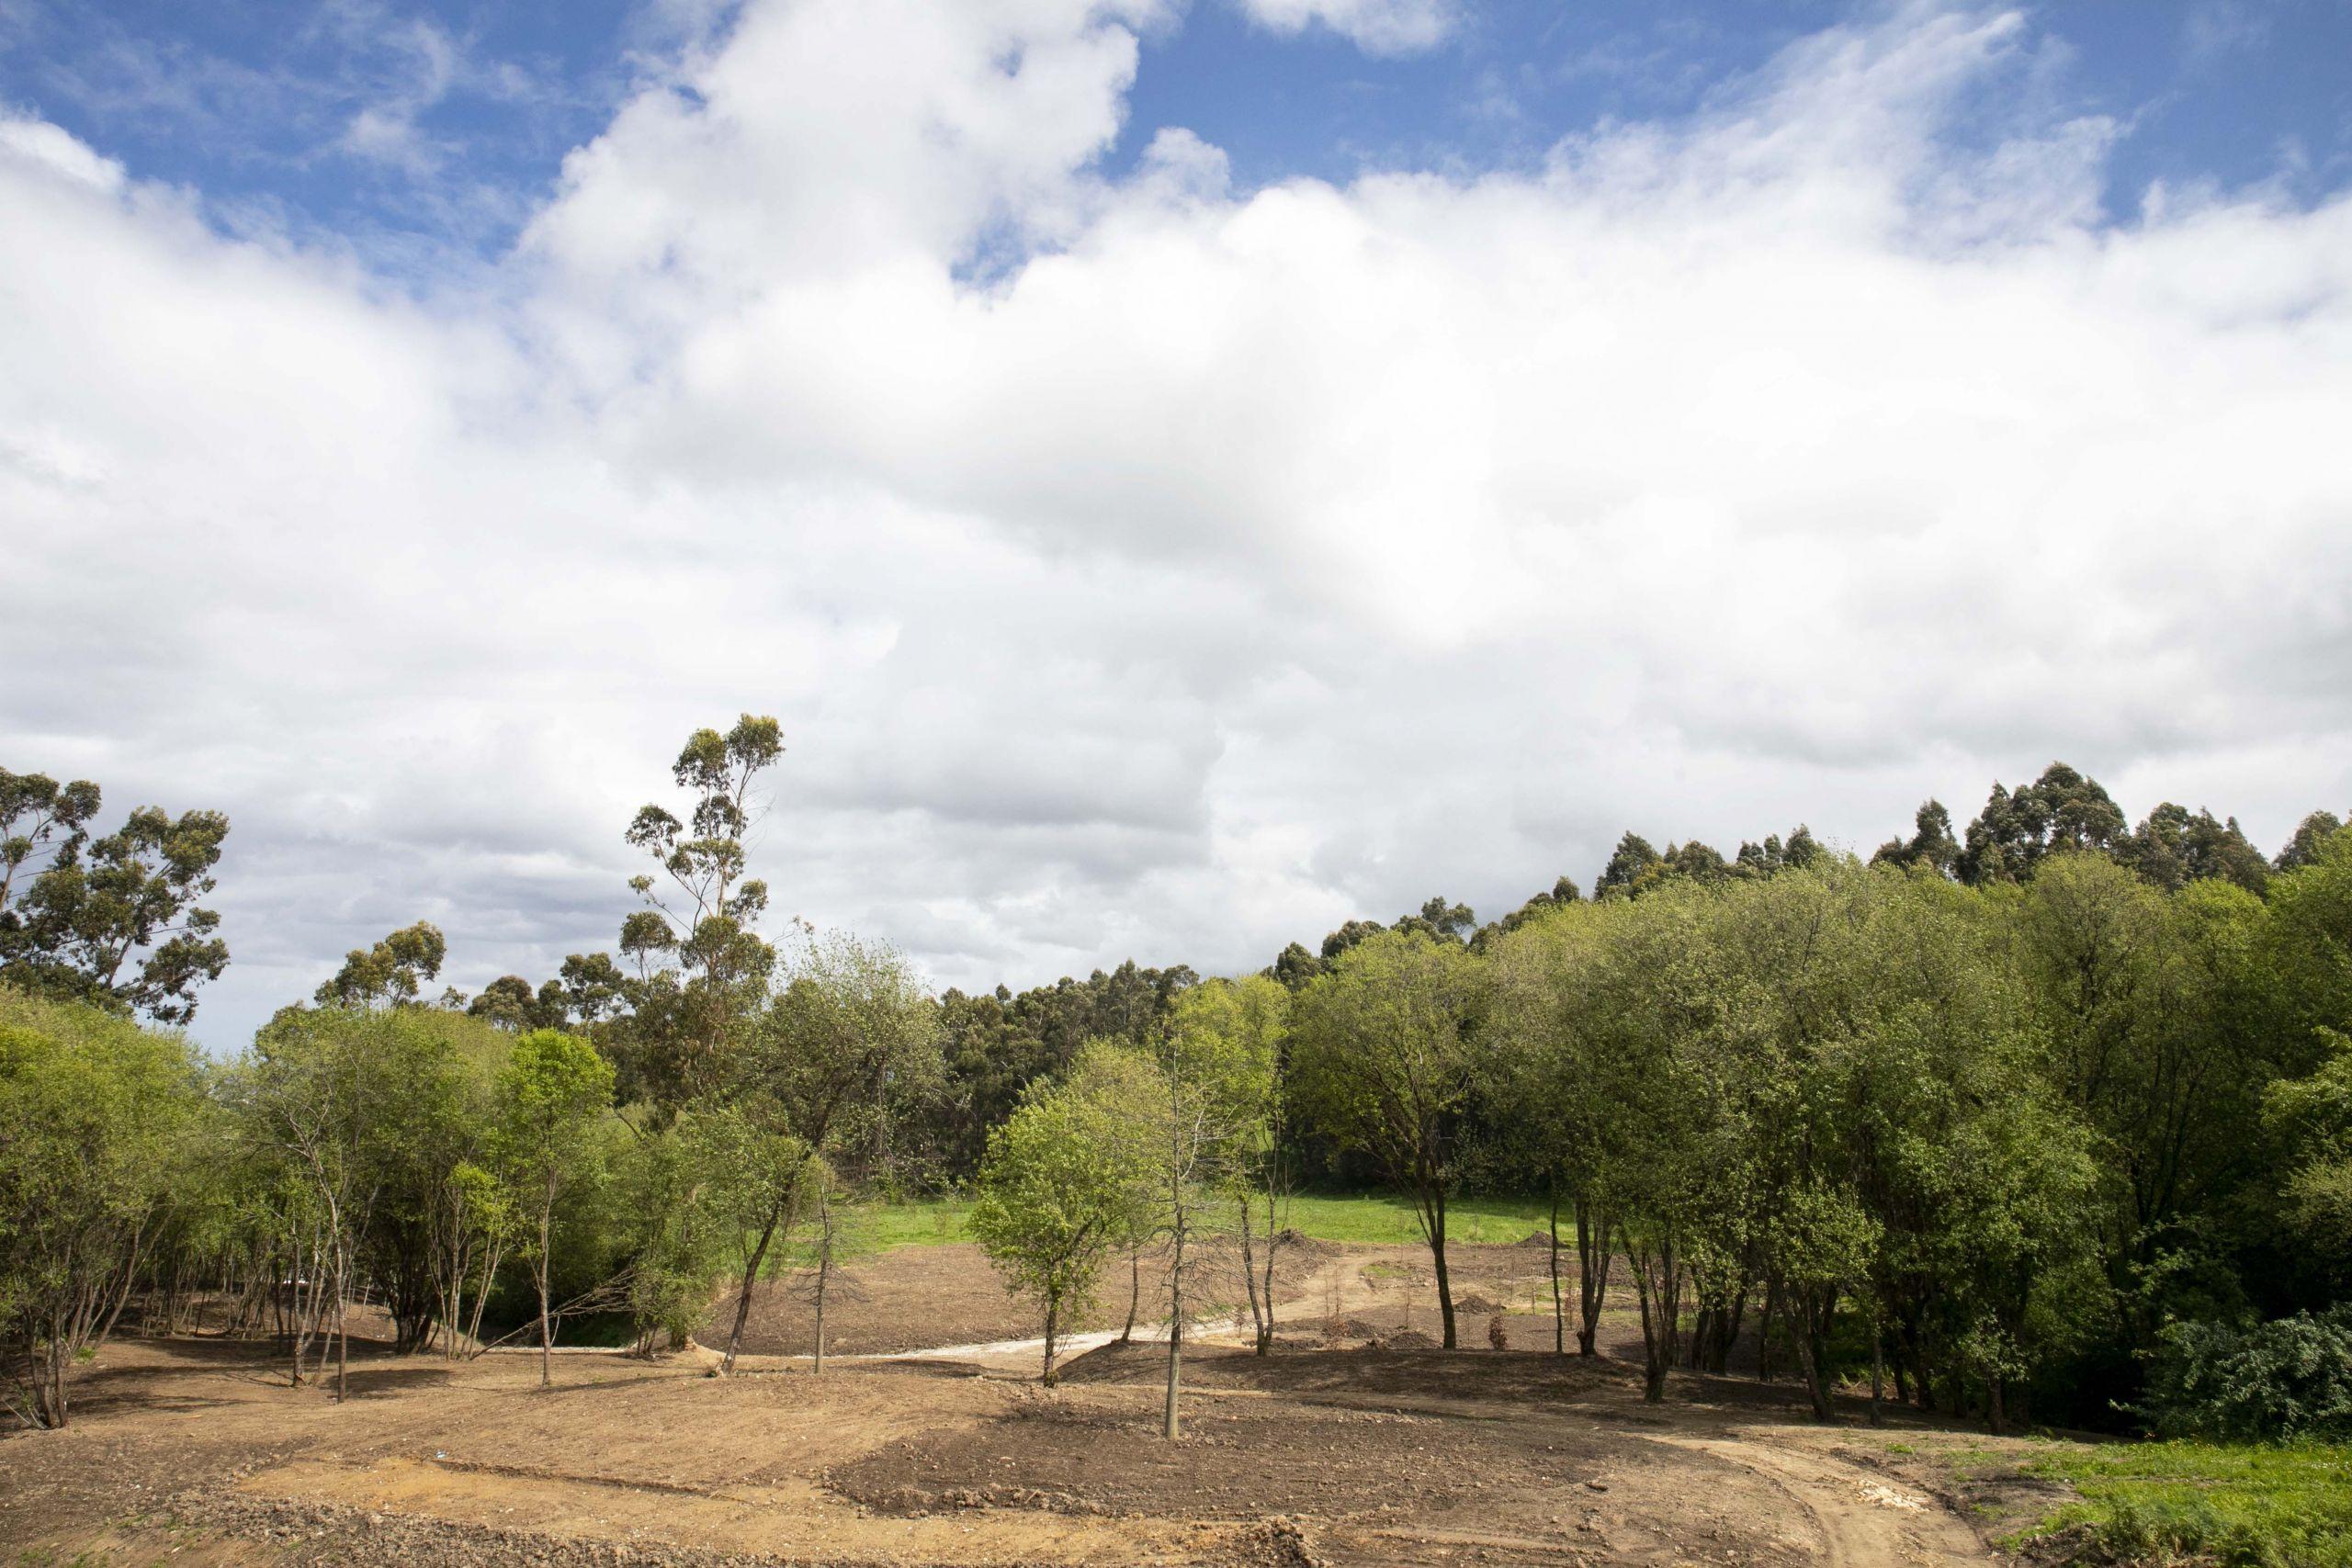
(1378, 26)
(1146, 566)
(37, 145)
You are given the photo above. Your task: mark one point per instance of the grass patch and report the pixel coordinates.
(922, 1222)
(2260, 1507)
(1371, 1219)
(1376, 1219)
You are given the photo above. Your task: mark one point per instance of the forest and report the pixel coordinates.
(2046, 1121)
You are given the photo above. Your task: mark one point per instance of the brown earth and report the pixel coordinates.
(193, 1449)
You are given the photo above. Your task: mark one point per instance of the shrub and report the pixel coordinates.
(2288, 1378)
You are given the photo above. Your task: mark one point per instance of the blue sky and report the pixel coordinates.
(1155, 545)
(266, 106)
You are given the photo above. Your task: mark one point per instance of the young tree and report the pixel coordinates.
(552, 1094)
(92, 1112)
(1241, 1025)
(1066, 1179)
(1381, 1052)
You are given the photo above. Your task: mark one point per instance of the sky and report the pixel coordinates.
(1185, 474)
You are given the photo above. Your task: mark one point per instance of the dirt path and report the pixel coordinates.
(1862, 1519)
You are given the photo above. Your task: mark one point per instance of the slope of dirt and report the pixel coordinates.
(915, 1297)
(198, 1452)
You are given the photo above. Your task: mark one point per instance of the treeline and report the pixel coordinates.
(2049, 1117)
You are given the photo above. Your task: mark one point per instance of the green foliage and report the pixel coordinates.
(95, 1117)
(112, 921)
(2259, 1507)
(2289, 1377)
(390, 972)
(1068, 1179)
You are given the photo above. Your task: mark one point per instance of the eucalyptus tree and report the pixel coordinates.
(1383, 1058)
(389, 974)
(696, 971)
(111, 920)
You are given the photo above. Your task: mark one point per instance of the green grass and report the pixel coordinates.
(1367, 1219)
(1379, 1220)
(920, 1222)
(2231, 1504)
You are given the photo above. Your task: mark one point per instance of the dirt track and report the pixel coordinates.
(1357, 1455)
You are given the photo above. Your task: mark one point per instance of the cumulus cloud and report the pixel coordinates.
(1378, 26)
(1143, 565)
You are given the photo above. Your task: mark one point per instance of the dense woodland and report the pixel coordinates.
(2048, 1120)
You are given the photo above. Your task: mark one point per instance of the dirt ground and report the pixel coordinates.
(196, 1450)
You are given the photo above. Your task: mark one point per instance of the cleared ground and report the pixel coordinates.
(1328, 1451)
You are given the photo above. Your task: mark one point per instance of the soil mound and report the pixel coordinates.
(1407, 1339)
(1475, 1303)
(1535, 1238)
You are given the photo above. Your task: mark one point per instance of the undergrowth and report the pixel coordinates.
(2233, 1506)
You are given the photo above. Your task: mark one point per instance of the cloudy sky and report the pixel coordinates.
(1183, 473)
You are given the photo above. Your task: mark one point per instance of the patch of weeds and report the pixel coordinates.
(2238, 1505)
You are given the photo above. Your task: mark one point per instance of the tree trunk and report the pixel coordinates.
(1559, 1303)
(743, 1298)
(1805, 1319)
(547, 1338)
(1168, 1422)
(1594, 1259)
(1878, 1369)
(1436, 1257)
(1053, 1317)
(1260, 1331)
(824, 1274)
(1135, 1292)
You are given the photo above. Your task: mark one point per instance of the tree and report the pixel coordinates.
(701, 969)
(1238, 1028)
(852, 1040)
(1205, 1103)
(1931, 843)
(112, 921)
(2172, 849)
(1382, 1056)
(2060, 810)
(38, 816)
(389, 974)
(551, 1093)
(1633, 867)
(2311, 833)
(1066, 1179)
(93, 1110)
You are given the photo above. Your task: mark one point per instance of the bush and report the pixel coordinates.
(2288, 1378)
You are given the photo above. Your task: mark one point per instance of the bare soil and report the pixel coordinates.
(196, 1450)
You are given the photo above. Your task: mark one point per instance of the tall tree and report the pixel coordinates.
(2061, 810)
(700, 967)
(1382, 1056)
